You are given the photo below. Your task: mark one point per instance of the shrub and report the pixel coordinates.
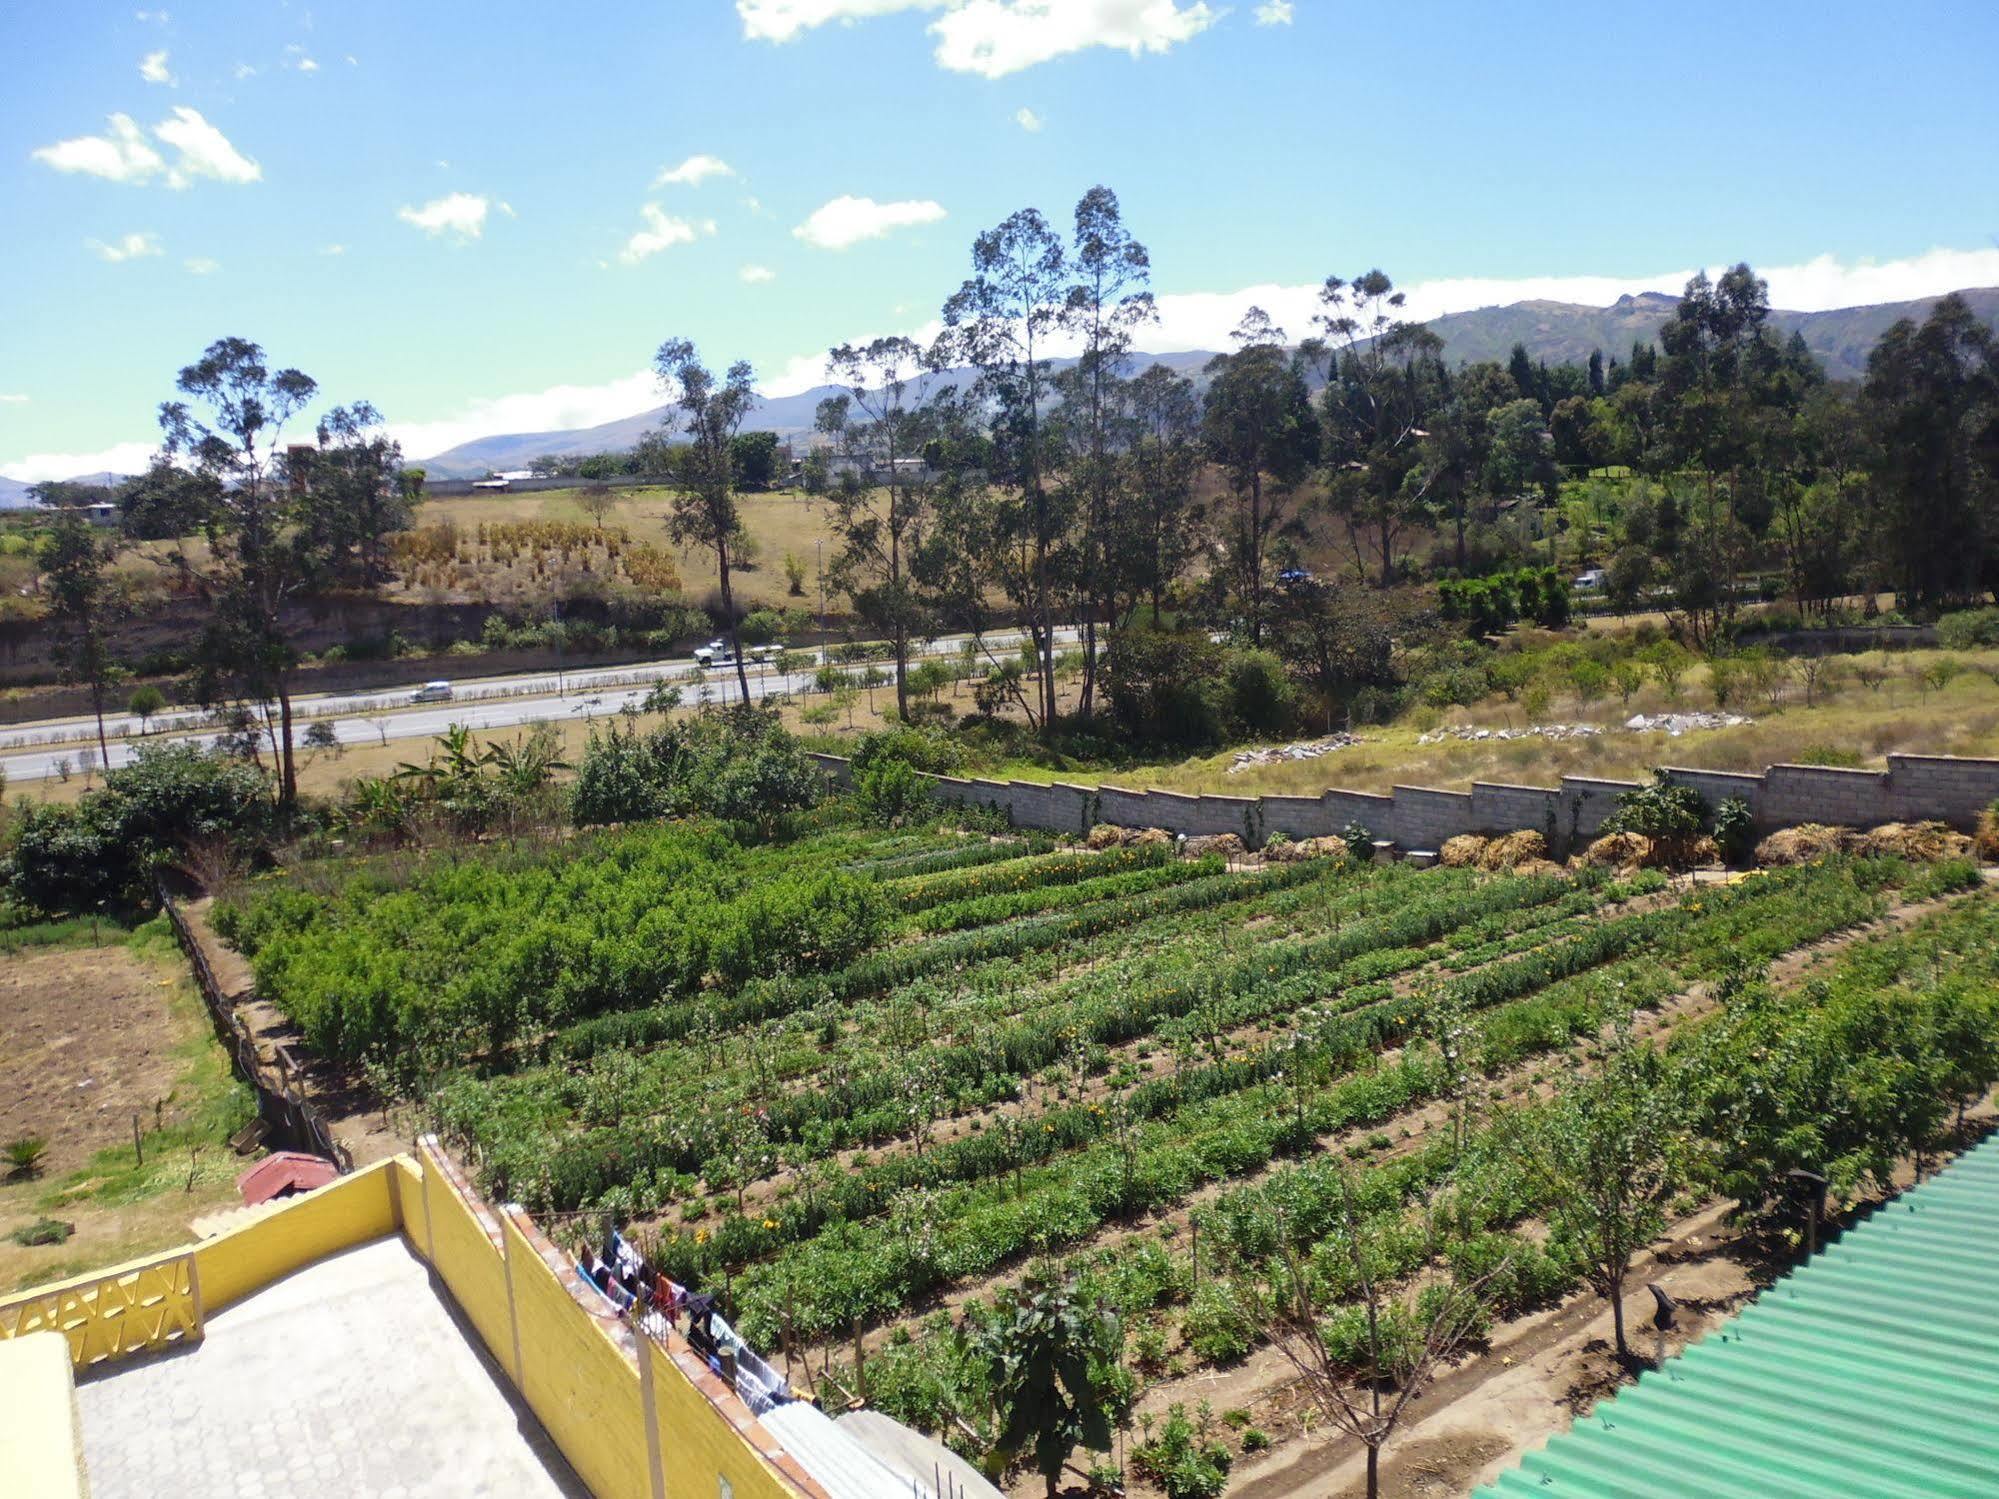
(24, 1156)
(1668, 814)
(1968, 629)
(42, 1231)
(111, 845)
(1216, 1326)
(1260, 695)
(890, 791)
(740, 765)
(1735, 830)
(1183, 1457)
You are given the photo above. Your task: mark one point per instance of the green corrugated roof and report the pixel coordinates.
(1870, 1373)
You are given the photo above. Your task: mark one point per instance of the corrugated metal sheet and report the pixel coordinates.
(1871, 1373)
(844, 1468)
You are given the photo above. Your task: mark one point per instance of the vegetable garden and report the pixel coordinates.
(856, 1078)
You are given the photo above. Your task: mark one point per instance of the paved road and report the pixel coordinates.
(382, 717)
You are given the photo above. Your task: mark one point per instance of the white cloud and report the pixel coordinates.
(693, 172)
(204, 151)
(333, 249)
(134, 246)
(997, 37)
(1028, 120)
(306, 65)
(299, 58)
(11, 400)
(662, 231)
(848, 220)
(120, 458)
(123, 154)
(201, 265)
(353, 61)
(150, 15)
(1274, 13)
(153, 68)
(462, 214)
(781, 20)
(245, 70)
(756, 275)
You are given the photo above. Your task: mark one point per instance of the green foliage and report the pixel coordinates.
(1662, 811)
(1183, 1456)
(1492, 604)
(1217, 1326)
(41, 1232)
(1735, 830)
(1046, 1358)
(109, 847)
(1968, 629)
(24, 1156)
(740, 765)
(892, 791)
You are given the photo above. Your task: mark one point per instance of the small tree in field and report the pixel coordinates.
(1608, 1153)
(146, 702)
(1046, 1358)
(1363, 1363)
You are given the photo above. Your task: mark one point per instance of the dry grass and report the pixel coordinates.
(786, 521)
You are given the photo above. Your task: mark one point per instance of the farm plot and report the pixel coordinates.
(854, 1079)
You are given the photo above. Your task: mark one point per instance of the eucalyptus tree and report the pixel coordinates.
(1109, 298)
(85, 600)
(880, 504)
(361, 494)
(708, 412)
(261, 526)
(1162, 461)
(1002, 320)
(1256, 424)
(1932, 400)
(1384, 380)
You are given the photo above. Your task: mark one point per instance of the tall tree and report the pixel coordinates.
(260, 525)
(361, 492)
(1459, 442)
(1256, 423)
(708, 412)
(1163, 459)
(1001, 320)
(84, 602)
(1932, 395)
(1384, 378)
(1107, 300)
(880, 506)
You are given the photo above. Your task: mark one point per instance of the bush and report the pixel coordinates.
(1161, 687)
(920, 749)
(42, 1231)
(740, 765)
(1216, 1327)
(1260, 695)
(1183, 1458)
(24, 1156)
(1968, 629)
(1735, 830)
(891, 791)
(111, 846)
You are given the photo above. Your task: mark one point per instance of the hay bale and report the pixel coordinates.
(1619, 851)
(1227, 845)
(1104, 835)
(1513, 850)
(1462, 852)
(1803, 844)
(1919, 842)
(1539, 866)
(1703, 853)
(1146, 837)
(1986, 841)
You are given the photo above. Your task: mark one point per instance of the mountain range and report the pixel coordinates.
(1556, 332)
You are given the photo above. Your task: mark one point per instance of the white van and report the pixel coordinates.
(432, 692)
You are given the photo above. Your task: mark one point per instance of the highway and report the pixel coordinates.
(384, 716)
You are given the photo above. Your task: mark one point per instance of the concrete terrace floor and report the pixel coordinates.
(351, 1377)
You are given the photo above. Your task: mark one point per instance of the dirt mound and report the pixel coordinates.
(1462, 852)
(1619, 851)
(1923, 842)
(1228, 845)
(1803, 843)
(1513, 850)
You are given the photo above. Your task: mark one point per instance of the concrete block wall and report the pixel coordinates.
(1913, 788)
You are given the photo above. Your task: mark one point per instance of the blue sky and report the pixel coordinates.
(465, 214)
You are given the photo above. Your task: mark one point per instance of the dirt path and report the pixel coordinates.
(352, 1109)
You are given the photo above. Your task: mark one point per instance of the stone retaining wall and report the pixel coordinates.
(1913, 788)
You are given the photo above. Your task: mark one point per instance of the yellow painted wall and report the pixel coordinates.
(356, 1209)
(41, 1439)
(697, 1445)
(470, 1265)
(578, 1381)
